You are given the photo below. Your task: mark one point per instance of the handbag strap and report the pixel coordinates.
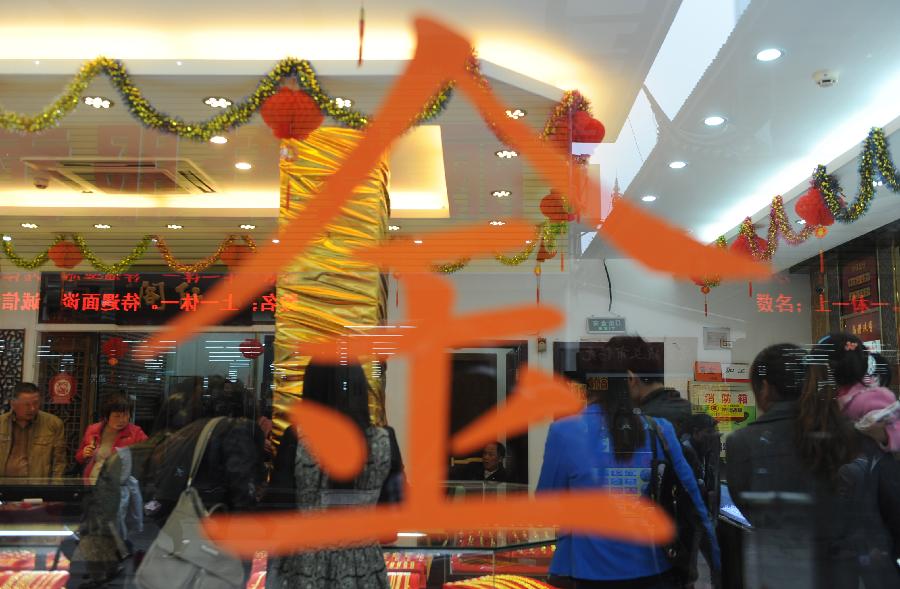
(200, 447)
(654, 427)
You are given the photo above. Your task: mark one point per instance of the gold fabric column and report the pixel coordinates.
(325, 289)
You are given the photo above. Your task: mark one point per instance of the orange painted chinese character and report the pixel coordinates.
(783, 304)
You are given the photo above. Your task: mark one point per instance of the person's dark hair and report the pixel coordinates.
(825, 437)
(783, 367)
(116, 402)
(846, 357)
(24, 387)
(342, 387)
(625, 426)
(699, 422)
(639, 358)
(882, 370)
(501, 450)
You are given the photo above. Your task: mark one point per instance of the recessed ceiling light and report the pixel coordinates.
(528, 241)
(496, 223)
(648, 198)
(7, 238)
(417, 241)
(393, 227)
(218, 140)
(677, 165)
(243, 165)
(713, 121)
(174, 226)
(37, 62)
(343, 102)
(29, 226)
(214, 102)
(801, 222)
(276, 241)
(877, 183)
(770, 54)
(102, 226)
(506, 154)
(98, 101)
(517, 113)
(501, 193)
(177, 63)
(248, 227)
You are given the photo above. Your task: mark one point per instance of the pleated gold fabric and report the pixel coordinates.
(325, 293)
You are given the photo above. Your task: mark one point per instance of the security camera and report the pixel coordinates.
(41, 182)
(825, 78)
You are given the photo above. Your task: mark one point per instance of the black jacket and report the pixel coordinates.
(815, 533)
(668, 404)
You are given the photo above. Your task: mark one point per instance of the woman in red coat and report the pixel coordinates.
(103, 438)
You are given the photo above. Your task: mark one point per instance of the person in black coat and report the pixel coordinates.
(795, 474)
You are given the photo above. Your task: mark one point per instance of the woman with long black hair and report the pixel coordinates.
(298, 481)
(610, 446)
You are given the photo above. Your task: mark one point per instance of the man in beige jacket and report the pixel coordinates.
(32, 442)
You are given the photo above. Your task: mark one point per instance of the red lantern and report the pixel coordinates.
(811, 207)
(114, 349)
(65, 254)
(291, 114)
(235, 253)
(587, 129)
(554, 207)
(741, 245)
(544, 254)
(251, 348)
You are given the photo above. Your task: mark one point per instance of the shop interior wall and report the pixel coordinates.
(655, 306)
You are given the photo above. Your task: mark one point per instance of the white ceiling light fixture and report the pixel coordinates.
(515, 114)
(501, 193)
(102, 226)
(497, 223)
(393, 227)
(506, 154)
(7, 238)
(218, 140)
(214, 102)
(801, 222)
(174, 226)
(714, 121)
(248, 227)
(648, 198)
(770, 54)
(417, 241)
(276, 241)
(343, 102)
(677, 165)
(29, 226)
(243, 165)
(98, 101)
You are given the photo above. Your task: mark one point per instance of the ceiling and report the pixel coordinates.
(780, 124)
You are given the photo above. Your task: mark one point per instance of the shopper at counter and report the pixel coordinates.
(791, 474)
(103, 438)
(32, 442)
(610, 446)
(299, 479)
(645, 383)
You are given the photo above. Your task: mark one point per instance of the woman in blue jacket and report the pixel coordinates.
(608, 446)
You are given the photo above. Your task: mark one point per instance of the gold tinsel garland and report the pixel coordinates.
(136, 253)
(36, 262)
(119, 266)
(203, 264)
(234, 116)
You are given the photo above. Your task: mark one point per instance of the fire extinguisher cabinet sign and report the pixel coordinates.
(62, 389)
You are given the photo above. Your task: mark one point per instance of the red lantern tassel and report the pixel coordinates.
(562, 261)
(705, 306)
(821, 262)
(362, 34)
(750, 289)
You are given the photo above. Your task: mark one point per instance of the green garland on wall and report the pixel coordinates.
(233, 117)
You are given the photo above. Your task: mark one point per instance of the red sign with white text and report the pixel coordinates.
(62, 389)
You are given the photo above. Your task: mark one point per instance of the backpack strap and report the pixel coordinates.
(200, 447)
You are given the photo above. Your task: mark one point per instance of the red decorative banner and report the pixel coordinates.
(62, 389)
